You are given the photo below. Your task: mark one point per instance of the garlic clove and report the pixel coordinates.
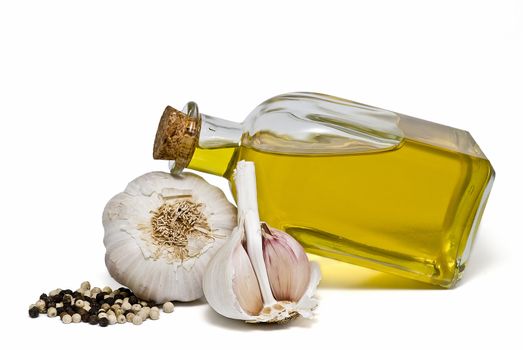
(229, 279)
(287, 265)
(218, 280)
(245, 283)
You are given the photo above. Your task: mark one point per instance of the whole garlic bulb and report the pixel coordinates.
(161, 232)
(260, 275)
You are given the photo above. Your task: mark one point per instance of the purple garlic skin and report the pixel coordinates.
(287, 264)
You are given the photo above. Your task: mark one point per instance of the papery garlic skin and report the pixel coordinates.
(238, 278)
(140, 228)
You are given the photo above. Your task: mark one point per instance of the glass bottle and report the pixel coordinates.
(349, 181)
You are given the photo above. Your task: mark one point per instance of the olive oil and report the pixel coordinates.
(349, 181)
(384, 210)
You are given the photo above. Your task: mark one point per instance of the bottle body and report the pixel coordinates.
(360, 184)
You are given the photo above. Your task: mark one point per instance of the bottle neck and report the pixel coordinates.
(217, 144)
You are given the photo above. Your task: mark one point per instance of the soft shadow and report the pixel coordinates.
(340, 275)
(236, 325)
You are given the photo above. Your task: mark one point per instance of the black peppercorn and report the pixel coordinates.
(57, 298)
(109, 301)
(59, 310)
(62, 293)
(68, 291)
(70, 310)
(34, 312)
(104, 322)
(85, 317)
(133, 300)
(67, 300)
(100, 297)
(93, 319)
(43, 296)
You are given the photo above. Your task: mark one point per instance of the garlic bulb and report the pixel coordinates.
(260, 274)
(161, 232)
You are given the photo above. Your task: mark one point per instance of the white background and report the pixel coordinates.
(82, 87)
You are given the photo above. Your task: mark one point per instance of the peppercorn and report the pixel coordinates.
(67, 319)
(63, 314)
(77, 318)
(126, 306)
(109, 300)
(51, 312)
(168, 307)
(137, 320)
(70, 310)
(103, 322)
(67, 299)
(100, 297)
(154, 314)
(93, 319)
(34, 312)
(68, 291)
(85, 285)
(133, 300)
(85, 317)
(59, 310)
(79, 303)
(112, 319)
(121, 319)
(136, 307)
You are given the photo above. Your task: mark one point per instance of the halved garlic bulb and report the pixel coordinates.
(260, 274)
(161, 232)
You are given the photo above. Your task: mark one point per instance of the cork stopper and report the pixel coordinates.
(177, 136)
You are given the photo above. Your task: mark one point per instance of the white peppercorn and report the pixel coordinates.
(112, 319)
(136, 307)
(168, 307)
(67, 319)
(130, 317)
(137, 320)
(85, 285)
(79, 303)
(77, 318)
(126, 306)
(121, 319)
(154, 314)
(107, 289)
(51, 312)
(40, 304)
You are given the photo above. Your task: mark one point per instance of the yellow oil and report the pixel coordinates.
(407, 211)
